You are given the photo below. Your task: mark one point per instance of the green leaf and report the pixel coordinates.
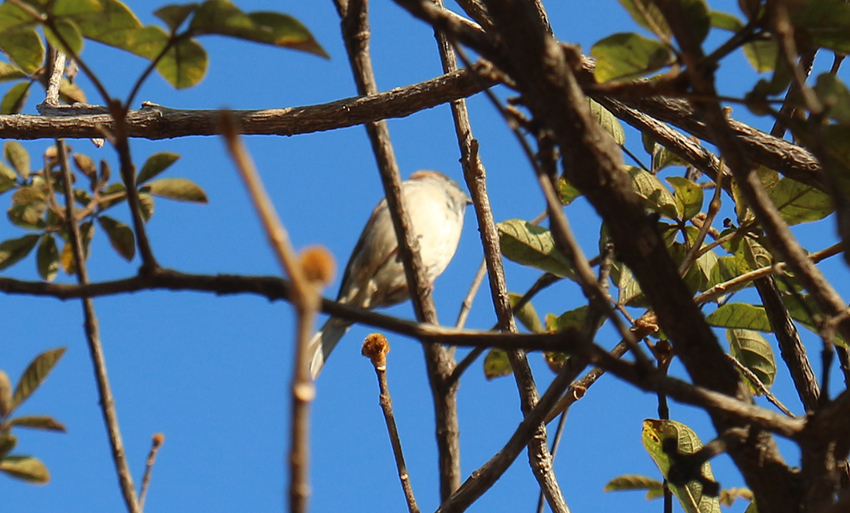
(5, 396)
(569, 320)
(647, 15)
(753, 352)
(47, 257)
(607, 121)
(15, 98)
(8, 178)
(555, 360)
(107, 21)
(177, 189)
(71, 93)
(668, 440)
(85, 165)
(526, 315)
(19, 158)
(826, 22)
(662, 157)
(656, 196)
(497, 364)
(566, 191)
(38, 422)
(800, 203)
(25, 467)
(762, 54)
(120, 235)
(175, 14)
(799, 310)
(727, 268)
(627, 55)
(35, 374)
(23, 46)
(533, 246)
(66, 257)
(748, 250)
(184, 64)
(67, 32)
(10, 72)
(835, 96)
(224, 18)
(654, 488)
(741, 316)
(28, 207)
(726, 21)
(156, 164)
(630, 292)
(689, 196)
(13, 250)
(13, 17)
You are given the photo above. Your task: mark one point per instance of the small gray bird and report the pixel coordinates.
(374, 275)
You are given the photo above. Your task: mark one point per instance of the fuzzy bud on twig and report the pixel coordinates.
(318, 265)
(376, 347)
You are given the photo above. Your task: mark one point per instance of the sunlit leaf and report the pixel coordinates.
(555, 360)
(5, 396)
(177, 189)
(47, 258)
(71, 93)
(105, 21)
(156, 164)
(497, 364)
(10, 72)
(35, 374)
(25, 467)
(741, 316)
(566, 191)
(23, 46)
(762, 54)
(654, 488)
(531, 245)
(15, 98)
(8, 178)
(68, 34)
(628, 55)
(175, 14)
(13, 250)
(569, 320)
(146, 205)
(689, 196)
(38, 422)
(526, 315)
(658, 198)
(16, 155)
(667, 440)
(726, 268)
(726, 21)
(85, 165)
(120, 235)
(753, 352)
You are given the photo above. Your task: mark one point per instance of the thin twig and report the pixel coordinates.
(763, 390)
(107, 402)
(376, 347)
(156, 443)
(306, 302)
(466, 306)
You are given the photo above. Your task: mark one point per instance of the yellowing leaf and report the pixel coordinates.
(496, 364)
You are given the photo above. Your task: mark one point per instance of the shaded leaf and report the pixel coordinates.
(726, 21)
(826, 22)
(5, 396)
(531, 245)
(627, 55)
(753, 352)
(665, 440)
(741, 316)
(654, 488)
(662, 157)
(8, 442)
(175, 14)
(184, 64)
(28, 207)
(497, 364)
(728, 496)
(630, 292)
(799, 307)
(647, 15)
(835, 96)
(156, 164)
(689, 196)
(85, 165)
(25, 467)
(146, 205)
(177, 189)
(8, 178)
(47, 258)
(10, 72)
(15, 98)
(762, 54)
(71, 93)
(35, 374)
(66, 257)
(16, 155)
(727, 268)
(656, 196)
(800, 203)
(38, 422)
(555, 360)
(13, 250)
(607, 121)
(23, 46)
(120, 235)
(526, 315)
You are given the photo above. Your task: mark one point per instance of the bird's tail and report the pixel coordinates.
(323, 342)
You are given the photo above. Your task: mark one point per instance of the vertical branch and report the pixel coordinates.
(107, 402)
(439, 360)
(307, 275)
(475, 175)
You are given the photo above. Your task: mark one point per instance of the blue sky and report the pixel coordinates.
(213, 373)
